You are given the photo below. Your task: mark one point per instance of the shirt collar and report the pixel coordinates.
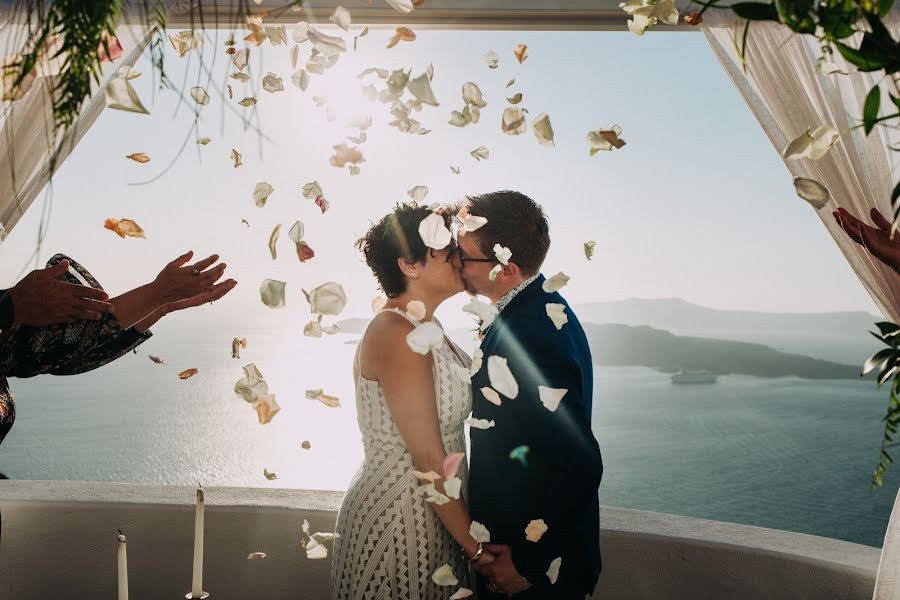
(508, 297)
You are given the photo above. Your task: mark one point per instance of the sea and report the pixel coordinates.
(785, 453)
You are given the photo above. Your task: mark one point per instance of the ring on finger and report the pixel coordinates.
(194, 270)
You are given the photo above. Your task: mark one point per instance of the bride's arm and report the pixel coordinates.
(408, 384)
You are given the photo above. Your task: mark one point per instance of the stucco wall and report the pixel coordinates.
(59, 541)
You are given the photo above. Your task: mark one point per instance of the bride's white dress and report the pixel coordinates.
(391, 541)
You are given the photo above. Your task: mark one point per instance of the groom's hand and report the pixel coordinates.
(502, 574)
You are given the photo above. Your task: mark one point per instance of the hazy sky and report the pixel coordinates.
(697, 204)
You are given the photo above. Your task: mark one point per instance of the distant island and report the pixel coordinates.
(624, 345)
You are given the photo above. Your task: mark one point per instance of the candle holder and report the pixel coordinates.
(203, 596)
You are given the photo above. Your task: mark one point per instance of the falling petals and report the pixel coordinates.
(433, 496)
(341, 18)
(139, 157)
(401, 6)
(272, 83)
(812, 191)
(187, 373)
(589, 249)
(185, 41)
(270, 476)
(605, 140)
(453, 486)
(502, 253)
(491, 59)
(429, 476)
(274, 238)
(501, 377)
(248, 101)
(543, 130)
(271, 292)
(491, 396)
(462, 593)
(402, 34)
(434, 233)
(557, 314)
(812, 143)
(551, 397)
(261, 193)
(199, 95)
(520, 453)
(451, 464)
(480, 153)
(240, 59)
(305, 445)
(444, 576)
(327, 299)
(416, 310)
(321, 396)
(521, 52)
(484, 312)
(157, 360)
(515, 99)
(513, 121)
(472, 95)
(480, 532)
(425, 338)
(344, 154)
(378, 303)
(266, 408)
(120, 94)
(535, 530)
(420, 87)
(492, 274)
(555, 283)
(236, 157)
(251, 386)
(259, 555)
(236, 345)
(418, 193)
(556, 563)
(479, 423)
(124, 227)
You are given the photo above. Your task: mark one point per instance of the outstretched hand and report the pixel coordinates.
(503, 578)
(41, 299)
(877, 240)
(178, 281)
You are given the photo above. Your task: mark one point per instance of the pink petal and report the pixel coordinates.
(451, 464)
(115, 48)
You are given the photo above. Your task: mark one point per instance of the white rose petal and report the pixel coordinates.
(273, 238)
(261, 193)
(271, 293)
(513, 121)
(477, 359)
(418, 193)
(313, 329)
(420, 87)
(296, 232)
(502, 253)
(416, 309)
(199, 95)
(341, 18)
(555, 283)
(453, 486)
(425, 338)
(485, 313)
(462, 593)
(812, 191)
(430, 476)
(480, 532)
(378, 303)
(551, 397)
(313, 190)
(444, 575)
(553, 571)
(435, 497)
(471, 94)
(492, 275)
(501, 377)
(401, 6)
(327, 299)
(251, 386)
(491, 396)
(300, 79)
(434, 232)
(240, 59)
(542, 129)
(479, 423)
(535, 530)
(491, 59)
(272, 83)
(557, 314)
(473, 222)
(480, 153)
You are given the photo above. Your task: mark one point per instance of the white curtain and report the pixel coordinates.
(28, 137)
(788, 95)
(887, 583)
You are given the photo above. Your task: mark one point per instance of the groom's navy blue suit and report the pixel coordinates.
(559, 484)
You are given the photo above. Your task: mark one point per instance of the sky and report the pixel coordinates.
(697, 205)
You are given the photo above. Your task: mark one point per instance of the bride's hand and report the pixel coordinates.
(178, 282)
(485, 559)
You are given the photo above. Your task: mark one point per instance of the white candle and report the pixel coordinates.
(197, 583)
(123, 568)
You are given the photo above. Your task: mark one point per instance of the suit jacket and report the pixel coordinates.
(563, 466)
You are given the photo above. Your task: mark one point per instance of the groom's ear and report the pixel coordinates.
(512, 271)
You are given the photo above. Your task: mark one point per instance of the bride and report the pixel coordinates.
(411, 409)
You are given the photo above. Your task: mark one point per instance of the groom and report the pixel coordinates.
(539, 464)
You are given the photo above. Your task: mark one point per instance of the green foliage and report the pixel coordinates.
(887, 361)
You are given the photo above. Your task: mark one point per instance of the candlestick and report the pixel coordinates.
(197, 580)
(122, 567)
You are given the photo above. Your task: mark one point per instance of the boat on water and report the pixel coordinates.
(694, 377)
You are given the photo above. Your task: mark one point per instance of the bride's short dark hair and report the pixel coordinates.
(395, 236)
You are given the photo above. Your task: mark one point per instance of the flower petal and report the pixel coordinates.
(501, 377)
(502, 253)
(271, 292)
(434, 232)
(491, 396)
(480, 532)
(557, 314)
(543, 130)
(551, 397)
(261, 193)
(451, 464)
(416, 309)
(555, 283)
(479, 423)
(444, 574)
(453, 486)
(274, 238)
(425, 338)
(535, 530)
(812, 191)
(553, 571)
(327, 299)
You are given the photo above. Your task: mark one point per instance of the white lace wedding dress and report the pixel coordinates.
(391, 541)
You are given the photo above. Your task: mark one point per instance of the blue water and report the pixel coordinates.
(784, 453)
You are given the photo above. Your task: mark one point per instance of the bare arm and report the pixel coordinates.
(408, 384)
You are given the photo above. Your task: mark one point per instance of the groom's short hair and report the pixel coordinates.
(513, 220)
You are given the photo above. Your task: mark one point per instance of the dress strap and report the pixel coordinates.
(401, 313)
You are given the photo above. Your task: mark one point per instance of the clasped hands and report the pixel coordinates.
(496, 564)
